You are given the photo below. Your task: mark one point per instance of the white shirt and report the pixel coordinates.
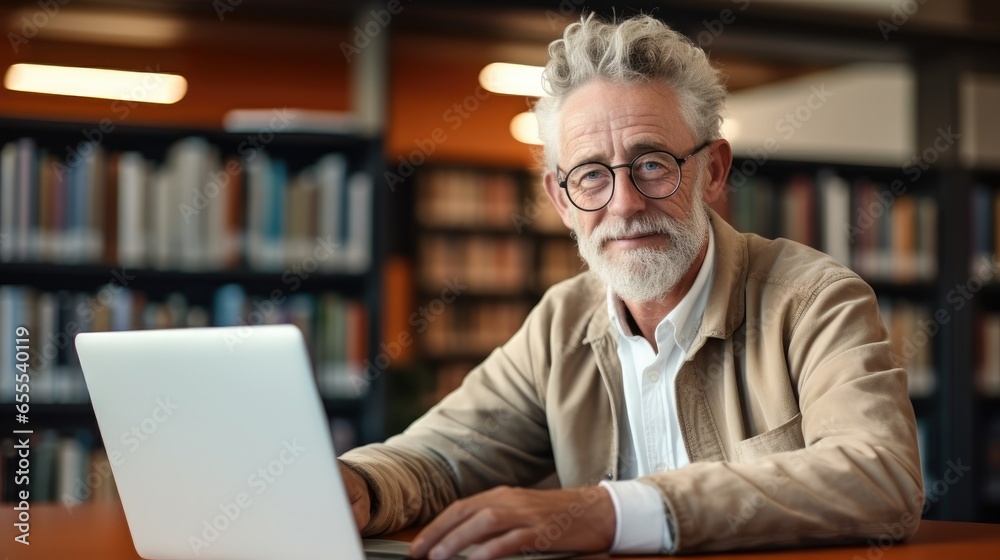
(653, 441)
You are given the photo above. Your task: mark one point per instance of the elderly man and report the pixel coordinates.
(698, 389)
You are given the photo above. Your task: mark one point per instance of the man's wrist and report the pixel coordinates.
(373, 498)
(642, 523)
(616, 506)
(608, 523)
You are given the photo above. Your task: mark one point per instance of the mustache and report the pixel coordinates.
(611, 230)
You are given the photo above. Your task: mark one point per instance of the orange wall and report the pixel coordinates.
(434, 84)
(219, 78)
(434, 99)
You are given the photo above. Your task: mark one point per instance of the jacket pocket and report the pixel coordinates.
(786, 437)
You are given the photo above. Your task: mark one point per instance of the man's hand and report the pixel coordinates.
(504, 519)
(358, 494)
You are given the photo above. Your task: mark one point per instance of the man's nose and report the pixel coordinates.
(626, 200)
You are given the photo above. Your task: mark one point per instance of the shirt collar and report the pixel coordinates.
(685, 317)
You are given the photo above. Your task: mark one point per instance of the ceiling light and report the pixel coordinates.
(108, 26)
(285, 119)
(730, 128)
(524, 128)
(512, 79)
(145, 87)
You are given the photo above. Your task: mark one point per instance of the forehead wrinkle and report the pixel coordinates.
(596, 127)
(616, 117)
(619, 114)
(588, 143)
(585, 139)
(583, 127)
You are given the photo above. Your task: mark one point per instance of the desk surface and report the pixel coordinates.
(100, 532)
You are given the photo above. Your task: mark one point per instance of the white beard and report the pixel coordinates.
(644, 274)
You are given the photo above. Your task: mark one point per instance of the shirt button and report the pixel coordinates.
(653, 376)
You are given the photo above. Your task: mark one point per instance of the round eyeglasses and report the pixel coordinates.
(656, 175)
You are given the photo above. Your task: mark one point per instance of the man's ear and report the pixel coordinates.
(721, 154)
(558, 198)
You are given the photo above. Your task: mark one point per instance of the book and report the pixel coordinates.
(987, 365)
(131, 211)
(912, 343)
(8, 192)
(335, 329)
(358, 245)
(197, 210)
(836, 215)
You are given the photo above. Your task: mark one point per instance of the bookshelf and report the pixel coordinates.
(472, 224)
(909, 233)
(984, 239)
(155, 227)
(492, 230)
(956, 419)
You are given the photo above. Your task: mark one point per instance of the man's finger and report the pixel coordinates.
(509, 543)
(361, 511)
(438, 528)
(482, 525)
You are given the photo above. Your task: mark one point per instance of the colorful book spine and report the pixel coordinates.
(336, 330)
(197, 210)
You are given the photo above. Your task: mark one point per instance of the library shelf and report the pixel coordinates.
(207, 268)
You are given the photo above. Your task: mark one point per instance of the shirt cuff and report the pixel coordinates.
(641, 521)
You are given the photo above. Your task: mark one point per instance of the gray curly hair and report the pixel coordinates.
(636, 50)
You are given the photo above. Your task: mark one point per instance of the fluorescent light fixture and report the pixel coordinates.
(286, 119)
(512, 79)
(524, 128)
(106, 26)
(144, 87)
(730, 128)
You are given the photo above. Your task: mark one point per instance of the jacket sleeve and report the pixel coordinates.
(490, 431)
(858, 476)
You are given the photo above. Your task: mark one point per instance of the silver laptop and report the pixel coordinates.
(220, 446)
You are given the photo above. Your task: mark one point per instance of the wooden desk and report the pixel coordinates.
(99, 532)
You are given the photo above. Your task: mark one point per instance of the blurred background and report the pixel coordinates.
(367, 171)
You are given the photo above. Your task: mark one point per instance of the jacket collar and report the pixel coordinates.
(727, 296)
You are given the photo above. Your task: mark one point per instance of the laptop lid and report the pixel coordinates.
(219, 443)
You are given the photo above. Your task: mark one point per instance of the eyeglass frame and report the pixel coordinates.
(564, 183)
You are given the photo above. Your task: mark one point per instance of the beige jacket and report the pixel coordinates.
(795, 417)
